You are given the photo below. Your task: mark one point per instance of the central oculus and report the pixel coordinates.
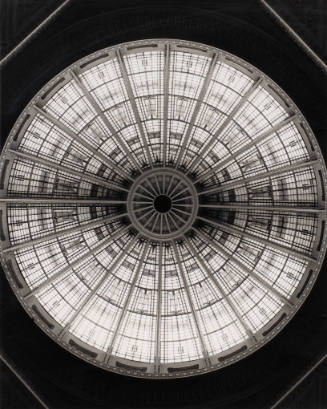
(162, 203)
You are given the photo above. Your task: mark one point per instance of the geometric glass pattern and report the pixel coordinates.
(162, 208)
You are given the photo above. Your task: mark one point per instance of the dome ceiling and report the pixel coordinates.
(163, 208)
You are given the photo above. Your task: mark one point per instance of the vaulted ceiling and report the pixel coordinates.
(244, 29)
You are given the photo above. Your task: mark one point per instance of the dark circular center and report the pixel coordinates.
(162, 203)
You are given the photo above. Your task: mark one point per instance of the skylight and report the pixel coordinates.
(162, 207)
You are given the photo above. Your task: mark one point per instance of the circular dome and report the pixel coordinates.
(162, 208)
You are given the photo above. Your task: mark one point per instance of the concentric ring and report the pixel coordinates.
(162, 208)
(175, 191)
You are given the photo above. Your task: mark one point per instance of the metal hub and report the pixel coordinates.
(162, 204)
